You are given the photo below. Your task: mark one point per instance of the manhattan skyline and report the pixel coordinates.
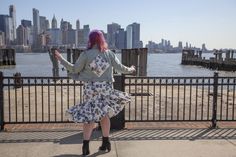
(211, 21)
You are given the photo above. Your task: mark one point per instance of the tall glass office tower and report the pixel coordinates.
(12, 13)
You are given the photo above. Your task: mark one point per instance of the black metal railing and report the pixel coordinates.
(181, 99)
(39, 99)
(45, 99)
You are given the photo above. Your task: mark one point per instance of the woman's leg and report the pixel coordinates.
(105, 124)
(88, 128)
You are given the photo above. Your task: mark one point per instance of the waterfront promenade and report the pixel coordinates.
(178, 139)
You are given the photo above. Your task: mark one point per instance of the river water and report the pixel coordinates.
(39, 64)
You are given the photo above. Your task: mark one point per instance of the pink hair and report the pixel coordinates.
(96, 38)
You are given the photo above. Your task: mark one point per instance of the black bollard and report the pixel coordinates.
(17, 80)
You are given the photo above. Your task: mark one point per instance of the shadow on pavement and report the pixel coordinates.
(174, 134)
(76, 137)
(73, 155)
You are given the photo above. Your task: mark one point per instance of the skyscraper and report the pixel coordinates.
(7, 28)
(111, 34)
(136, 35)
(47, 24)
(22, 35)
(180, 45)
(86, 31)
(63, 25)
(36, 21)
(77, 24)
(129, 37)
(36, 27)
(121, 39)
(26, 23)
(68, 34)
(3, 26)
(55, 36)
(54, 22)
(204, 49)
(29, 30)
(12, 13)
(72, 38)
(2, 39)
(162, 43)
(80, 38)
(186, 45)
(133, 36)
(2, 23)
(43, 24)
(69, 26)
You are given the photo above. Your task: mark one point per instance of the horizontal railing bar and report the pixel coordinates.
(32, 84)
(167, 120)
(32, 122)
(170, 84)
(36, 77)
(131, 84)
(126, 77)
(177, 77)
(41, 122)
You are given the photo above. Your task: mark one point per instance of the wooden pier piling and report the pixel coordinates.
(73, 54)
(136, 57)
(7, 57)
(55, 64)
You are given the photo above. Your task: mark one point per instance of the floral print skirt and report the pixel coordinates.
(100, 99)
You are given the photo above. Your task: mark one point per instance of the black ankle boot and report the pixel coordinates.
(85, 148)
(106, 145)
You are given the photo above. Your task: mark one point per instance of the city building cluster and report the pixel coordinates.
(37, 35)
(165, 47)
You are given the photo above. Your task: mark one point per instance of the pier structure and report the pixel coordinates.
(73, 54)
(136, 57)
(218, 62)
(7, 57)
(55, 63)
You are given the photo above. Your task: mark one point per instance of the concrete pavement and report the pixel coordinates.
(163, 142)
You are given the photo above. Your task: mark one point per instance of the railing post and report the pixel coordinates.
(1, 102)
(118, 122)
(215, 93)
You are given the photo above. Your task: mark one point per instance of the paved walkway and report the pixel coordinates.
(131, 142)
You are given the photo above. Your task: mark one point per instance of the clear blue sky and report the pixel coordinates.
(195, 21)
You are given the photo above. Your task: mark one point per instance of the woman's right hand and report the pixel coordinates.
(133, 69)
(58, 55)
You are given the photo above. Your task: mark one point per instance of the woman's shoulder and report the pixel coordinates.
(89, 51)
(110, 52)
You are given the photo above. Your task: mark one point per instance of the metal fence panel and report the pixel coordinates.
(39, 99)
(179, 98)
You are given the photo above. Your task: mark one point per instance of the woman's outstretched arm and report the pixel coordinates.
(73, 68)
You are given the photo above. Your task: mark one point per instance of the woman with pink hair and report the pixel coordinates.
(100, 101)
